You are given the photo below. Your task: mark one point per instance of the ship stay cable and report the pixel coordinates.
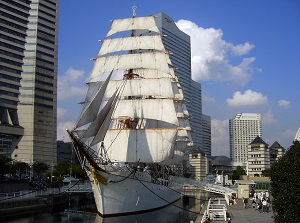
(170, 203)
(131, 173)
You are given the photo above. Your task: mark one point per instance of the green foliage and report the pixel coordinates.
(40, 167)
(266, 173)
(62, 168)
(4, 165)
(285, 187)
(18, 167)
(237, 173)
(77, 171)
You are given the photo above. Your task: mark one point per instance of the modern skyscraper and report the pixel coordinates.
(206, 134)
(179, 44)
(243, 129)
(13, 26)
(37, 106)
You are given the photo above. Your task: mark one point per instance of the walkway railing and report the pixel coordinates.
(204, 185)
(216, 209)
(87, 188)
(28, 194)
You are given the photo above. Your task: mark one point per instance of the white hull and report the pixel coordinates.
(130, 195)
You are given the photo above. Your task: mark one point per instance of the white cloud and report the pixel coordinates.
(268, 118)
(207, 98)
(241, 49)
(71, 84)
(289, 134)
(220, 137)
(73, 74)
(249, 98)
(61, 130)
(284, 103)
(62, 113)
(210, 55)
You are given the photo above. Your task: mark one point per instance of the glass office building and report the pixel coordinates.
(13, 26)
(179, 44)
(38, 92)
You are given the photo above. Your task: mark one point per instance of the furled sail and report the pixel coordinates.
(136, 23)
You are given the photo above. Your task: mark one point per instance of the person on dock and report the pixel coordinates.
(253, 204)
(245, 201)
(207, 220)
(259, 206)
(212, 216)
(264, 205)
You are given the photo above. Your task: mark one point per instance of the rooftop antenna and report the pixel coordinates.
(134, 11)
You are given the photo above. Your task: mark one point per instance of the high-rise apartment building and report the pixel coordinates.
(243, 129)
(13, 26)
(179, 44)
(261, 157)
(258, 157)
(38, 91)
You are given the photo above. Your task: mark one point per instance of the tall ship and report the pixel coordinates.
(134, 128)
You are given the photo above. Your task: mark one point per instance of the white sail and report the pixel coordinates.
(156, 88)
(153, 73)
(97, 123)
(93, 88)
(131, 43)
(150, 60)
(157, 109)
(149, 120)
(150, 146)
(91, 110)
(136, 115)
(177, 158)
(136, 23)
(184, 135)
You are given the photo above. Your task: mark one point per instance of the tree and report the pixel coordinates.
(19, 167)
(266, 173)
(4, 167)
(285, 186)
(238, 172)
(62, 168)
(77, 171)
(40, 167)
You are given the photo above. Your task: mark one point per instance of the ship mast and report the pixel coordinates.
(130, 74)
(134, 11)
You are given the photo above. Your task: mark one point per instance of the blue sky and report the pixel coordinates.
(245, 54)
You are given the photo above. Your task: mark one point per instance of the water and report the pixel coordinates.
(182, 211)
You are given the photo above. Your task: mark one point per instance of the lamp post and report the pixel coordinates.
(51, 171)
(31, 168)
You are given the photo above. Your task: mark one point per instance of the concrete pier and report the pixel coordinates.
(241, 215)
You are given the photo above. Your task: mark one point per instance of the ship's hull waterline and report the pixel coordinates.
(121, 195)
